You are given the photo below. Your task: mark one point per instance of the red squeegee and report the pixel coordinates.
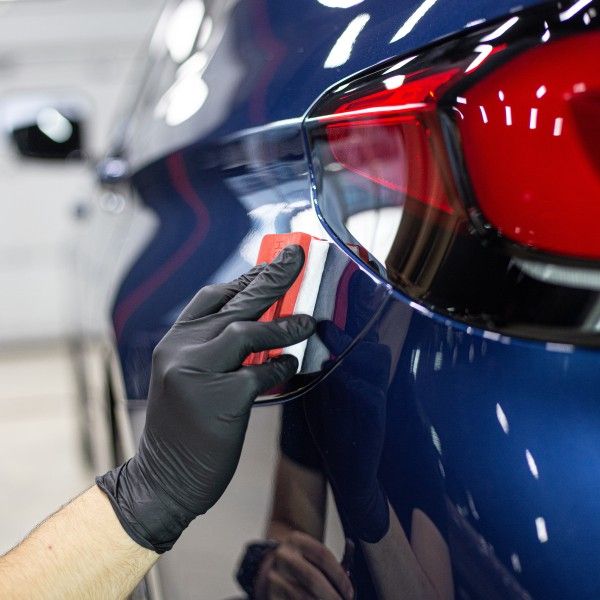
(302, 296)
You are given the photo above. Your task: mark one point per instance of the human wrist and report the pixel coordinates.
(367, 516)
(152, 518)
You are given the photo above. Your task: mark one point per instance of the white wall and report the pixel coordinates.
(92, 47)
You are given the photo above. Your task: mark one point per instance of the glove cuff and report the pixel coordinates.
(370, 521)
(148, 515)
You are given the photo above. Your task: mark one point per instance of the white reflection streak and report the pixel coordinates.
(558, 123)
(500, 31)
(183, 100)
(415, 362)
(546, 34)
(541, 91)
(339, 3)
(410, 23)
(366, 111)
(483, 114)
(542, 532)
(516, 562)
(531, 464)
(182, 29)
(508, 115)
(502, 419)
(461, 100)
(205, 31)
(573, 10)
(393, 82)
(475, 22)
(342, 49)
(501, 95)
(459, 112)
(533, 118)
(484, 51)
(435, 438)
(399, 64)
(57, 127)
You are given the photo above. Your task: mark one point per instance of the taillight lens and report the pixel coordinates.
(530, 133)
(472, 167)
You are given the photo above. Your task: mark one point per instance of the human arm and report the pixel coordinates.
(299, 501)
(198, 408)
(301, 566)
(420, 567)
(348, 421)
(79, 552)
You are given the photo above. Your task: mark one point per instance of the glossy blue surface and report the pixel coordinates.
(515, 428)
(513, 424)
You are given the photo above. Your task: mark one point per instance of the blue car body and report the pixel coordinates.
(513, 422)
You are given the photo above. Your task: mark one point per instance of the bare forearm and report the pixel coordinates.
(299, 501)
(394, 566)
(80, 552)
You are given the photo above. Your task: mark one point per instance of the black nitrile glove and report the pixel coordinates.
(200, 399)
(346, 415)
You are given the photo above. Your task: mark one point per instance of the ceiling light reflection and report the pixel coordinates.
(546, 34)
(475, 22)
(542, 531)
(460, 114)
(194, 64)
(531, 464)
(204, 33)
(54, 125)
(183, 99)
(515, 561)
(435, 438)
(410, 23)
(342, 49)
(182, 29)
(502, 419)
(484, 116)
(393, 82)
(484, 51)
(508, 115)
(399, 65)
(339, 3)
(533, 118)
(558, 123)
(573, 10)
(541, 91)
(500, 31)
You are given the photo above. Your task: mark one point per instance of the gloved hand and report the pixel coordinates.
(346, 416)
(200, 399)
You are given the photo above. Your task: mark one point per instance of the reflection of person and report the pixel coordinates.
(102, 543)
(346, 433)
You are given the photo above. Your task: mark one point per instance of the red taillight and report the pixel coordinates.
(528, 129)
(530, 132)
(386, 136)
(471, 172)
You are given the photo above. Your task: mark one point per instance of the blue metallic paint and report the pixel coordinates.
(515, 422)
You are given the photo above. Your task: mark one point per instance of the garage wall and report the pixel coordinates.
(84, 47)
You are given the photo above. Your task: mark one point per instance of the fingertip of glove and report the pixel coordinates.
(307, 323)
(290, 255)
(287, 362)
